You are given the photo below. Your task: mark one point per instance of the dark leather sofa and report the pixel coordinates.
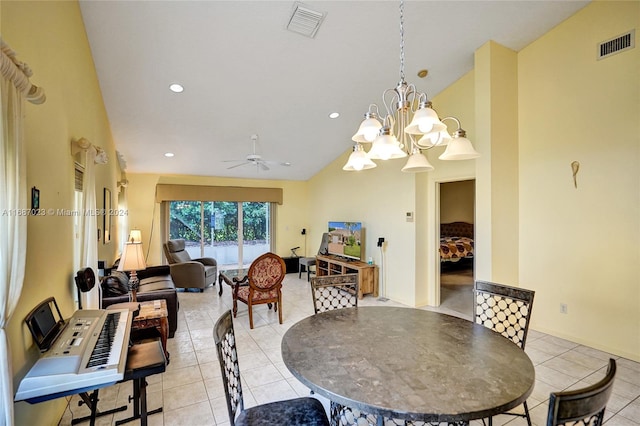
(155, 283)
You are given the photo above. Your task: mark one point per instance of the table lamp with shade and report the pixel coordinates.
(132, 260)
(135, 236)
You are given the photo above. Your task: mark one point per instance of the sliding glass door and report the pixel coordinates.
(233, 233)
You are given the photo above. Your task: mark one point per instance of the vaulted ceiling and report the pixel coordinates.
(244, 73)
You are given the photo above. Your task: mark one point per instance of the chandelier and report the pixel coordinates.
(409, 127)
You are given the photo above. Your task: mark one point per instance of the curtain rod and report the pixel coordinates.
(18, 73)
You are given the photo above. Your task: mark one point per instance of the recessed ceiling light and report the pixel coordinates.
(334, 115)
(168, 154)
(177, 88)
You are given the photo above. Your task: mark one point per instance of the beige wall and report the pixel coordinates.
(580, 246)
(50, 37)
(144, 212)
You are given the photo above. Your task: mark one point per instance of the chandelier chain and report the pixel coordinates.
(401, 40)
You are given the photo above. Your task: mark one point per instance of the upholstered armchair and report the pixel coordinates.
(186, 272)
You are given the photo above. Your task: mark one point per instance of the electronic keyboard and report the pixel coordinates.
(90, 353)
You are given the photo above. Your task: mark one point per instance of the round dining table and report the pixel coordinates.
(409, 364)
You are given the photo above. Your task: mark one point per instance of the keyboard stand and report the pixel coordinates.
(92, 403)
(143, 360)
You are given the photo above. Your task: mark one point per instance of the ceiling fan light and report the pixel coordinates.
(416, 163)
(358, 160)
(368, 130)
(459, 148)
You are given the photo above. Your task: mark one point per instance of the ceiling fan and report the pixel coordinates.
(256, 159)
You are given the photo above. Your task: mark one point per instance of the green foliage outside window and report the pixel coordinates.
(220, 219)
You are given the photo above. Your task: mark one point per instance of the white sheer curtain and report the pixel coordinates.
(14, 88)
(13, 228)
(89, 227)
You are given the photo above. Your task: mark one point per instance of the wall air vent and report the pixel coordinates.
(617, 44)
(304, 20)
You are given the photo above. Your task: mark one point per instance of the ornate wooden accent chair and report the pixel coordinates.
(582, 406)
(505, 310)
(331, 292)
(265, 284)
(305, 411)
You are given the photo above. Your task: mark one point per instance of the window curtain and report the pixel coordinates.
(14, 89)
(89, 228)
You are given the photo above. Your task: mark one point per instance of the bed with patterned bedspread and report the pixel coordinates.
(456, 241)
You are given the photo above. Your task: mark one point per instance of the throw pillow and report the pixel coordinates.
(115, 284)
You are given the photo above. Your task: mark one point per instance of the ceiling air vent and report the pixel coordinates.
(616, 45)
(304, 20)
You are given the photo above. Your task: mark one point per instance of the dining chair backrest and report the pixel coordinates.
(225, 340)
(331, 292)
(504, 309)
(582, 406)
(267, 272)
(305, 411)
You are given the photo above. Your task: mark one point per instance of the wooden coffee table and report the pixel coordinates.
(153, 314)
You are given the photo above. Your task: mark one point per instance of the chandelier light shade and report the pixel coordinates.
(386, 146)
(358, 160)
(459, 148)
(410, 126)
(425, 121)
(369, 128)
(417, 162)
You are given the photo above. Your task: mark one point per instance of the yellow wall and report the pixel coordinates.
(379, 198)
(50, 37)
(144, 212)
(497, 170)
(580, 246)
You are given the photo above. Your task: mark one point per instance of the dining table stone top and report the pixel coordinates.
(408, 363)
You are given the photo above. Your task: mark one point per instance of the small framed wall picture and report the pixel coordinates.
(35, 199)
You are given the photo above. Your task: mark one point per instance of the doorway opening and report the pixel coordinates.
(456, 249)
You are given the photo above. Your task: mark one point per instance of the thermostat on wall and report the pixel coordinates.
(409, 216)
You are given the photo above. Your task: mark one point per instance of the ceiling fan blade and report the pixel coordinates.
(276, 163)
(232, 161)
(237, 165)
(263, 166)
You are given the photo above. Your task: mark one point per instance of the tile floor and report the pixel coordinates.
(191, 391)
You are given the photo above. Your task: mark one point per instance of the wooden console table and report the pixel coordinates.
(154, 315)
(367, 274)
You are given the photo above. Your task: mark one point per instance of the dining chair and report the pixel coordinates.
(505, 310)
(583, 406)
(265, 284)
(305, 411)
(331, 292)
